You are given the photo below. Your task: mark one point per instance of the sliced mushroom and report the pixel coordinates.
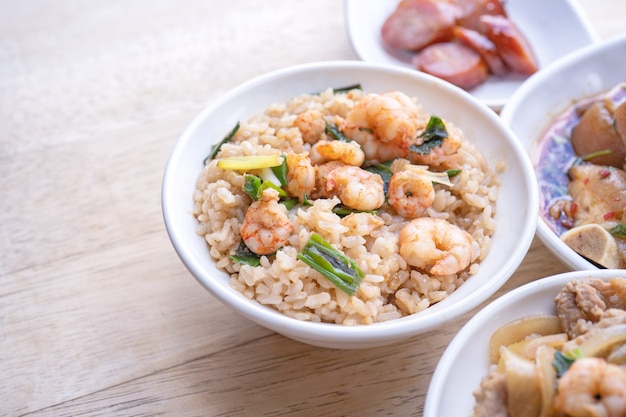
(593, 242)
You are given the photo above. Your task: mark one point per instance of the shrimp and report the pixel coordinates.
(592, 387)
(383, 124)
(311, 125)
(410, 191)
(442, 155)
(362, 224)
(435, 245)
(300, 175)
(266, 227)
(349, 153)
(356, 188)
(321, 172)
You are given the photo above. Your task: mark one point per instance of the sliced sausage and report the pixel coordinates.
(511, 45)
(415, 24)
(474, 9)
(454, 63)
(483, 46)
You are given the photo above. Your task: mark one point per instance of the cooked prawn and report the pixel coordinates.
(383, 124)
(300, 175)
(411, 190)
(362, 224)
(435, 245)
(443, 154)
(592, 387)
(349, 153)
(321, 172)
(311, 125)
(266, 226)
(356, 188)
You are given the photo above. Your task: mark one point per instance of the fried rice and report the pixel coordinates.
(391, 288)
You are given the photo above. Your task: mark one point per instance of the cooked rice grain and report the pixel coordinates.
(391, 288)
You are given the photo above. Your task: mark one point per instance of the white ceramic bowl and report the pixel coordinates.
(466, 359)
(516, 213)
(548, 93)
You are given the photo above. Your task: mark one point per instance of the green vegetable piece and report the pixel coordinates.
(217, 147)
(245, 256)
(434, 129)
(595, 154)
(453, 172)
(342, 271)
(306, 201)
(562, 361)
(333, 132)
(290, 203)
(347, 89)
(433, 135)
(384, 171)
(281, 172)
(254, 187)
(342, 211)
(619, 230)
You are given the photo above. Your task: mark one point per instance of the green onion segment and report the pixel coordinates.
(342, 271)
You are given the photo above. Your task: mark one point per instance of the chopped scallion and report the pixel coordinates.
(245, 256)
(562, 361)
(453, 172)
(595, 154)
(342, 211)
(618, 230)
(254, 187)
(217, 147)
(334, 132)
(342, 271)
(281, 172)
(347, 89)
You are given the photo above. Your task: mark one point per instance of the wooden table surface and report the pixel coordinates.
(97, 314)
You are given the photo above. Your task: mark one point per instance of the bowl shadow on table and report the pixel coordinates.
(283, 376)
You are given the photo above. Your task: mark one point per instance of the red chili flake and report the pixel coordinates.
(609, 215)
(567, 223)
(603, 173)
(586, 180)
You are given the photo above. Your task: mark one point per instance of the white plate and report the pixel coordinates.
(553, 29)
(584, 73)
(466, 359)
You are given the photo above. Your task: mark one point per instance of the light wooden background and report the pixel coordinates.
(98, 317)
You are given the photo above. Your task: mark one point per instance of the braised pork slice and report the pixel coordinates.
(582, 303)
(611, 317)
(491, 397)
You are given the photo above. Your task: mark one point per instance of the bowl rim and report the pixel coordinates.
(398, 328)
(456, 345)
(567, 255)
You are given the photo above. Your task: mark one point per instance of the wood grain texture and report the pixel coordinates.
(98, 316)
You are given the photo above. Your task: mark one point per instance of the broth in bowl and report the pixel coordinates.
(579, 162)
